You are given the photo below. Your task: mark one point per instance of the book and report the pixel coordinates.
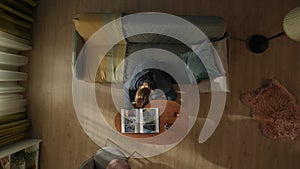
(145, 120)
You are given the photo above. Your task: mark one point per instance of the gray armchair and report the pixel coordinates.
(107, 158)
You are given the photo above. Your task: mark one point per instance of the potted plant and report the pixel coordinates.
(20, 158)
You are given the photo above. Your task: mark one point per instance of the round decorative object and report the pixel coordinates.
(291, 24)
(257, 43)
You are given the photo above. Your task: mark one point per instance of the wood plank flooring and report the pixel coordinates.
(237, 142)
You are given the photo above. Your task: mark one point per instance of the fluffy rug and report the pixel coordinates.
(275, 109)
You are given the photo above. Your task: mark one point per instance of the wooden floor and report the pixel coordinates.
(237, 142)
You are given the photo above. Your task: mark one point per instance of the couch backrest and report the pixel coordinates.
(214, 27)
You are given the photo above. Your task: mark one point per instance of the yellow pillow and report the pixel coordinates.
(86, 25)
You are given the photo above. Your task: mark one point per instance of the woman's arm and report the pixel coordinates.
(171, 95)
(127, 96)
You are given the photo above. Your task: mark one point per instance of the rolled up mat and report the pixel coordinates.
(13, 138)
(11, 124)
(5, 137)
(11, 118)
(24, 124)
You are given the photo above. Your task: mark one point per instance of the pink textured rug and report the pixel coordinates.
(275, 109)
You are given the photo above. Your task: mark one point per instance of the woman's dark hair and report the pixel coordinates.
(142, 97)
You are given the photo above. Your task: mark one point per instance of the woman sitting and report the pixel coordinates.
(146, 84)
